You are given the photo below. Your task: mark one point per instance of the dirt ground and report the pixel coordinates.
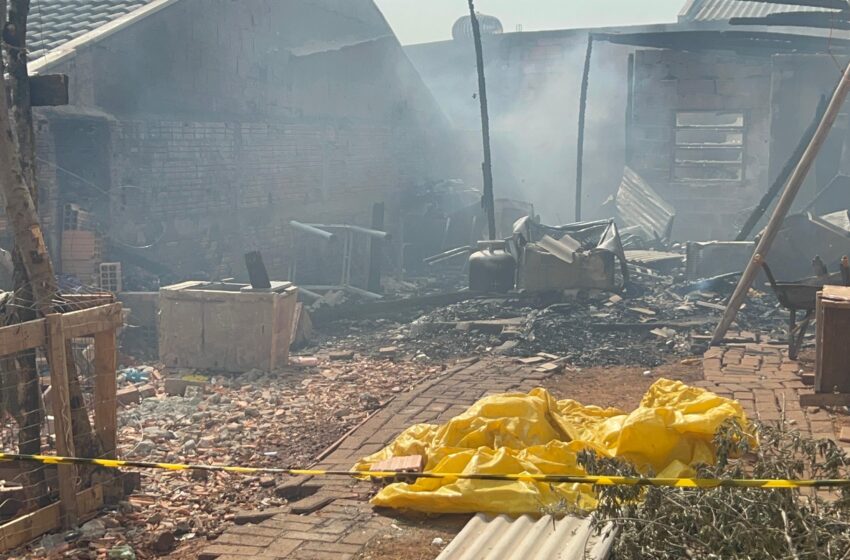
(608, 386)
(619, 386)
(414, 539)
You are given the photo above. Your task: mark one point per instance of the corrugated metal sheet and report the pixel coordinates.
(724, 10)
(503, 537)
(638, 205)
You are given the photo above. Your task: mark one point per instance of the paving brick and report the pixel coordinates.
(335, 548)
(292, 518)
(238, 557)
(255, 530)
(310, 537)
(244, 540)
(336, 526)
(216, 550)
(307, 554)
(283, 547)
(282, 526)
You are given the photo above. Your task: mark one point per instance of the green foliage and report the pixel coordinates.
(732, 523)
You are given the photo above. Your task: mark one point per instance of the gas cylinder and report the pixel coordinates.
(492, 268)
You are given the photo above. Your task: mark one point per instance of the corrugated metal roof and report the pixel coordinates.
(528, 538)
(638, 205)
(724, 10)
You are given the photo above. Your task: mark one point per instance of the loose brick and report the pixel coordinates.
(243, 517)
(311, 504)
(128, 395)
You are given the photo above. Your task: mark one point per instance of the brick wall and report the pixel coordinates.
(671, 81)
(217, 190)
(227, 120)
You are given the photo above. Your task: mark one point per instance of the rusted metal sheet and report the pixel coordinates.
(656, 260)
(639, 206)
(724, 10)
(502, 537)
(575, 256)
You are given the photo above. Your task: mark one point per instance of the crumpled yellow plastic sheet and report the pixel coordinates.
(517, 433)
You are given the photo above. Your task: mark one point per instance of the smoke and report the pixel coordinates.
(533, 89)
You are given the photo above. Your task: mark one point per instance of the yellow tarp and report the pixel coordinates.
(533, 433)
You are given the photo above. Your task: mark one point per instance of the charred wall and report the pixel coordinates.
(799, 83)
(227, 120)
(712, 175)
(533, 83)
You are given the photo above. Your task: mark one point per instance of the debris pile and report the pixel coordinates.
(281, 419)
(644, 325)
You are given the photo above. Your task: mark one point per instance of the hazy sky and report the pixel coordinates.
(419, 21)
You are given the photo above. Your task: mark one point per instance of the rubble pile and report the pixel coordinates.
(281, 420)
(645, 325)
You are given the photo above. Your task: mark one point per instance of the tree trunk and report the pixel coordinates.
(23, 388)
(17, 176)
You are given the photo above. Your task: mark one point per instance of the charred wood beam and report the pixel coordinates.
(783, 176)
(488, 200)
(825, 20)
(582, 113)
(745, 42)
(827, 4)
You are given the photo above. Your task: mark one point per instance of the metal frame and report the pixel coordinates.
(331, 233)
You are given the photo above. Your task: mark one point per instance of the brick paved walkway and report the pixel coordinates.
(339, 530)
(760, 377)
(768, 384)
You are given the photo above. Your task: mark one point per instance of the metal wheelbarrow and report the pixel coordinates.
(800, 296)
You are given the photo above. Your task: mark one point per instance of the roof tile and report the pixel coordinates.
(55, 22)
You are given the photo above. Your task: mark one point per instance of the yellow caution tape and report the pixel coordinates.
(705, 483)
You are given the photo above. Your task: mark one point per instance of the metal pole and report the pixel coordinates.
(488, 201)
(582, 112)
(783, 206)
(313, 230)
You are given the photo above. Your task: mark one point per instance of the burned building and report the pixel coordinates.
(707, 110)
(197, 129)
(718, 106)
(533, 83)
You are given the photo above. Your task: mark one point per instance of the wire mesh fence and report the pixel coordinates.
(57, 396)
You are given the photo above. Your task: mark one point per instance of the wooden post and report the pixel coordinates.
(62, 417)
(105, 399)
(630, 109)
(376, 249)
(783, 206)
(488, 200)
(582, 113)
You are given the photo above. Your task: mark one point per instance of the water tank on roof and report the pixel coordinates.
(462, 29)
